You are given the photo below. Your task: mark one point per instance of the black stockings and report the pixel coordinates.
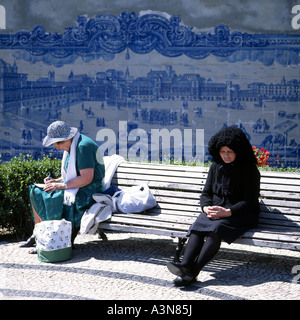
(198, 253)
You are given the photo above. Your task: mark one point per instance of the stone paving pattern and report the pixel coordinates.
(133, 267)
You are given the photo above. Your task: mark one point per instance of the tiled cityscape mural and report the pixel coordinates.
(128, 81)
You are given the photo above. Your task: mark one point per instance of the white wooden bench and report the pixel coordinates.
(177, 190)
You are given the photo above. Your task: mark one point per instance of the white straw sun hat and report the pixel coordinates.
(58, 131)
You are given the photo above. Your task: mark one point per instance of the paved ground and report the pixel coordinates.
(133, 267)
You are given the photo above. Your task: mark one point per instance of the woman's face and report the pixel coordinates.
(63, 145)
(227, 155)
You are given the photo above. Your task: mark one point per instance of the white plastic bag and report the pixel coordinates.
(134, 199)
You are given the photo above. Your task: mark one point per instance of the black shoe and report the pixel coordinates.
(179, 282)
(29, 243)
(180, 271)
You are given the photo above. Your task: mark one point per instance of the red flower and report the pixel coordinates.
(262, 156)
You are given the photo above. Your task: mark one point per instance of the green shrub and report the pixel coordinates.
(16, 176)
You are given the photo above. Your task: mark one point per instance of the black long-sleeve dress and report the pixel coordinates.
(230, 186)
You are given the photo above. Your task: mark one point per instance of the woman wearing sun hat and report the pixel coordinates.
(82, 171)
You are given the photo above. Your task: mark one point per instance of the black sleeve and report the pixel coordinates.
(207, 193)
(250, 193)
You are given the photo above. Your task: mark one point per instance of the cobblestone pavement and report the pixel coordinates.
(133, 267)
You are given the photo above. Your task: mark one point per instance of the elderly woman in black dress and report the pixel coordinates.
(229, 203)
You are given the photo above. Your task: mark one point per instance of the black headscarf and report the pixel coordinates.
(236, 140)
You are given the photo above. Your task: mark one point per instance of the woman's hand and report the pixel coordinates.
(48, 180)
(85, 178)
(54, 186)
(51, 180)
(217, 212)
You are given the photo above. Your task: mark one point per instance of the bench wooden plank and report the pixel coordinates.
(280, 203)
(279, 181)
(284, 228)
(155, 184)
(279, 195)
(280, 174)
(266, 184)
(163, 178)
(151, 223)
(176, 194)
(171, 211)
(158, 217)
(162, 173)
(162, 167)
(159, 220)
(273, 236)
(280, 226)
(268, 243)
(263, 207)
(279, 217)
(278, 187)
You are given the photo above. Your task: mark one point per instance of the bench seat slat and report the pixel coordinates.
(284, 228)
(268, 243)
(243, 240)
(150, 223)
(180, 222)
(278, 219)
(159, 217)
(273, 236)
(173, 212)
(140, 229)
(290, 228)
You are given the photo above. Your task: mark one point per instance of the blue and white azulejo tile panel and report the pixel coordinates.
(130, 81)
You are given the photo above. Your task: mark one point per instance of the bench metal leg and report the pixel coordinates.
(180, 245)
(102, 235)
